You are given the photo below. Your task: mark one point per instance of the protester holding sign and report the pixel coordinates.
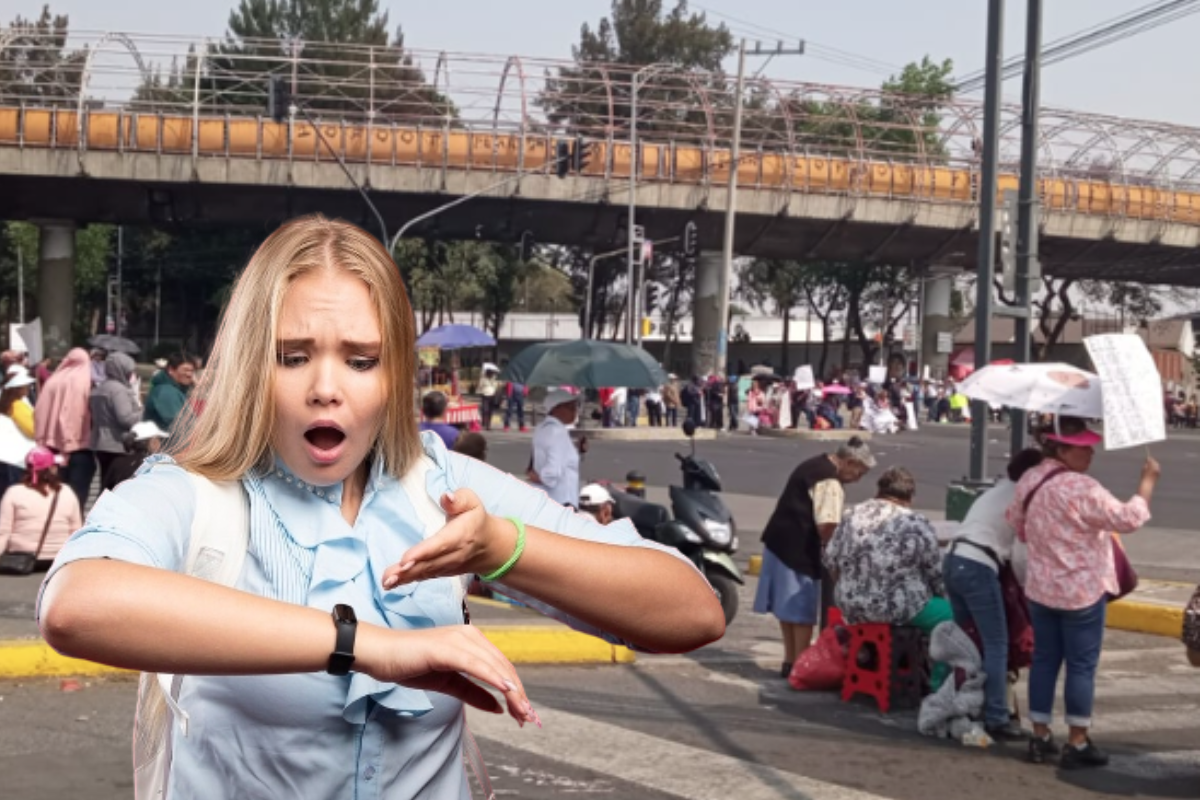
(1066, 517)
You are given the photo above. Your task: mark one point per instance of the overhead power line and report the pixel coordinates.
(1102, 34)
(821, 52)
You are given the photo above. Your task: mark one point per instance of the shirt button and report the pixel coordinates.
(369, 773)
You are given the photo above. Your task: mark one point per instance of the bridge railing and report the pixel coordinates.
(385, 105)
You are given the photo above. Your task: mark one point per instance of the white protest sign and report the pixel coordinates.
(1132, 387)
(877, 374)
(912, 415)
(804, 378)
(27, 338)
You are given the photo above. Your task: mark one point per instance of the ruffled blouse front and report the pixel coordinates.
(316, 735)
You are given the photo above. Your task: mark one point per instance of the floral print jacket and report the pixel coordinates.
(888, 562)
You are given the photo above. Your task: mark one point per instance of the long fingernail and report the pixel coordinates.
(450, 496)
(407, 567)
(536, 718)
(390, 581)
(512, 687)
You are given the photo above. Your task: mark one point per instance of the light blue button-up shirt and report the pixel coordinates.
(556, 461)
(315, 735)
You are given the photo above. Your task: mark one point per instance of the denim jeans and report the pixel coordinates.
(975, 596)
(516, 405)
(81, 467)
(1073, 637)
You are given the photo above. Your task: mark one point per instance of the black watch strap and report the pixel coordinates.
(342, 657)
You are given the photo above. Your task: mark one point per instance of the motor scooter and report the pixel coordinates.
(702, 527)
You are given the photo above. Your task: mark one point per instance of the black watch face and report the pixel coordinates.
(344, 613)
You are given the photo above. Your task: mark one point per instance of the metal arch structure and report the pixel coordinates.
(86, 77)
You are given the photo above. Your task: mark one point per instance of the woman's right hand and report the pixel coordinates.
(1151, 469)
(444, 660)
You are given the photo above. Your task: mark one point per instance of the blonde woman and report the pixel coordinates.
(308, 401)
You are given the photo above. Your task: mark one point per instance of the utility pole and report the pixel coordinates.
(726, 279)
(1027, 269)
(157, 299)
(987, 228)
(20, 286)
(120, 258)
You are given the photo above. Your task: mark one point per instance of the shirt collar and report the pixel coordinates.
(280, 475)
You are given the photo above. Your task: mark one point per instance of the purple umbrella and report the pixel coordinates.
(455, 337)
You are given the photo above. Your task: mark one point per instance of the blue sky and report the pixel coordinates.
(1143, 77)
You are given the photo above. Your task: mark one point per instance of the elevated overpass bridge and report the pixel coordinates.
(829, 173)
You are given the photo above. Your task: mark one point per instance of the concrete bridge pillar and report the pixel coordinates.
(706, 321)
(935, 320)
(56, 284)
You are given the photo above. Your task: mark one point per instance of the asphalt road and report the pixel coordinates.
(712, 725)
(937, 455)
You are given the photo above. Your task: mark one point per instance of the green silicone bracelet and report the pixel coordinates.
(512, 560)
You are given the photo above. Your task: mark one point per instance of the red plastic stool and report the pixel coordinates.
(899, 671)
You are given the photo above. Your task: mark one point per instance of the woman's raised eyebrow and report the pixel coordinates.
(285, 344)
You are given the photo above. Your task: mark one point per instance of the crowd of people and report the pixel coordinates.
(62, 425)
(1028, 574)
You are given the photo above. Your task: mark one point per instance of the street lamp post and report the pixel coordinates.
(634, 161)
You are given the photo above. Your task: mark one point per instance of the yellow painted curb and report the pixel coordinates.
(554, 645)
(520, 644)
(1152, 618)
(755, 566)
(35, 658)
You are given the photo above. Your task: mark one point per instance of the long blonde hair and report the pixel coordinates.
(225, 429)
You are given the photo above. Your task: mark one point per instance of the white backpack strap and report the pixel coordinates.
(430, 514)
(217, 546)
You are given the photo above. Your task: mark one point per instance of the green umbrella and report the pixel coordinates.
(585, 363)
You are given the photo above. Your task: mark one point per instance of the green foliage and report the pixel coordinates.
(637, 32)
(35, 65)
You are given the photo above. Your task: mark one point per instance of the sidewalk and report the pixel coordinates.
(524, 636)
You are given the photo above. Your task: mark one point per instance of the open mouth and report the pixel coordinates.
(324, 437)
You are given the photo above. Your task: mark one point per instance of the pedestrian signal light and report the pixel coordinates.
(526, 252)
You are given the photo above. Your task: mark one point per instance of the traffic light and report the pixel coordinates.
(581, 154)
(647, 326)
(562, 158)
(278, 98)
(527, 246)
(651, 297)
(691, 240)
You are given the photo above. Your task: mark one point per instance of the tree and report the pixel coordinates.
(638, 33)
(36, 67)
(777, 285)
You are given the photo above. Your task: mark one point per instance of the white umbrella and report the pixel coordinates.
(1048, 388)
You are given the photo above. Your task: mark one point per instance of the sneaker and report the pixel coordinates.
(524, 429)
(506, 429)
(1041, 749)
(1089, 755)
(785, 671)
(1008, 732)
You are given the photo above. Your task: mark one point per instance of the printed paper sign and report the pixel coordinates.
(27, 338)
(804, 378)
(877, 374)
(1132, 387)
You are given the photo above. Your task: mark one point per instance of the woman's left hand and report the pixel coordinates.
(472, 541)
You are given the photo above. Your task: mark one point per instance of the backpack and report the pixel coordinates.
(216, 552)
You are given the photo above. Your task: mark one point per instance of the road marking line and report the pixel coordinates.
(658, 764)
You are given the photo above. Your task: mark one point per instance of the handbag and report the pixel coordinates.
(23, 563)
(1127, 577)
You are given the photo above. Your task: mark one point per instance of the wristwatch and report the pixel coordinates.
(342, 657)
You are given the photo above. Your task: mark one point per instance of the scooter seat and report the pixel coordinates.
(644, 515)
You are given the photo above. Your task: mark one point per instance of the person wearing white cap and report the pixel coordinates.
(143, 440)
(596, 502)
(555, 463)
(488, 386)
(14, 400)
